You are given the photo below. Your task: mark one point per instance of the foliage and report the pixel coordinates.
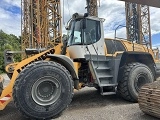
(9, 42)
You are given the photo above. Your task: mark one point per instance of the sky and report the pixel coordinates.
(112, 10)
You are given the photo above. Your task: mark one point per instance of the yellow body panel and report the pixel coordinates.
(129, 46)
(58, 48)
(58, 52)
(137, 47)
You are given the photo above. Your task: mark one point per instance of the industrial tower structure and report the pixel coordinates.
(92, 8)
(41, 24)
(138, 23)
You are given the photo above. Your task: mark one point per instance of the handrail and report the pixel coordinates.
(130, 39)
(94, 50)
(97, 55)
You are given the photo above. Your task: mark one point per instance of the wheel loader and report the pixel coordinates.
(42, 86)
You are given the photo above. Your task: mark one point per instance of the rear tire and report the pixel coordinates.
(135, 75)
(43, 90)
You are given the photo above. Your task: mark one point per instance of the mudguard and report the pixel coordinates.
(66, 62)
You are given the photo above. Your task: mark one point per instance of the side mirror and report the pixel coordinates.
(68, 25)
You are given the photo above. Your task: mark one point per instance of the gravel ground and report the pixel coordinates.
(88, 104)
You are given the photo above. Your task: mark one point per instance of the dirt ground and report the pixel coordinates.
(88, 104)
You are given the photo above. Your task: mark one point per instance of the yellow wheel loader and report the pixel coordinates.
(42, 86)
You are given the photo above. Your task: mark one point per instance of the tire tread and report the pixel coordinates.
(123, 86)
(16, 86)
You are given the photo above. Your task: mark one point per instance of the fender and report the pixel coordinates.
(66, 62)
(133, 56)
(141, 57)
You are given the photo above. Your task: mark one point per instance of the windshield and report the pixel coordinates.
(89, 35)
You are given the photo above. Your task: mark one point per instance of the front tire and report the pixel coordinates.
(43, 90)
(135, 75)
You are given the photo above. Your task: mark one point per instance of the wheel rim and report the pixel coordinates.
(46, 91)
(141, 79)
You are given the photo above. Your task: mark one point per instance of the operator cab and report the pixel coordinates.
(85, 36)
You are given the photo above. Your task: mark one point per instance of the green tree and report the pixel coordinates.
(9, 42)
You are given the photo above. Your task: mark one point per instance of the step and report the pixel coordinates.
(105, 80)
(104, 73)
(108, 93)
(100, 64)
(105, 76)
(102, 68)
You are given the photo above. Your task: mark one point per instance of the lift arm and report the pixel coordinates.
(153, 3)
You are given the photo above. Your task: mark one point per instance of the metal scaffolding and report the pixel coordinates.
(92, 9)
(138, 23)
(41, 23)
(153, 3)
(145, 25)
